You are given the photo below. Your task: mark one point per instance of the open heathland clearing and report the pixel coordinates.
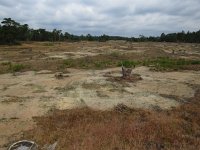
(74, 93)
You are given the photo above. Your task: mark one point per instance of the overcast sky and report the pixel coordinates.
(113, 17)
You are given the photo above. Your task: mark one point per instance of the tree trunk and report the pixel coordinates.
(126, 72)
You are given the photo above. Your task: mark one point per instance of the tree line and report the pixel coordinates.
(11, 32)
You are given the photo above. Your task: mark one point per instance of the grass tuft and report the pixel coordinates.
(16, 67)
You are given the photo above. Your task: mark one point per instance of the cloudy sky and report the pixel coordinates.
(113, 17)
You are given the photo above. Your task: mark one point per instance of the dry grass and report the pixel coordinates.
(122, 128)
(132, 78)
(33, 55)
(118, 129)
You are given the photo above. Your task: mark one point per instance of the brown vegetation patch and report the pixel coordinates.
(121, 128)
(14, 99)
(192, 67)
(132, 78)
(91, 86)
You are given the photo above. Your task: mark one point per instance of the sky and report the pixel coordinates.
(111, 17)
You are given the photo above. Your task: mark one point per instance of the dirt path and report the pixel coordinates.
(32, 94)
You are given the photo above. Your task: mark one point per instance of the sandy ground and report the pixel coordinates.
(32, 94)
(73, 50)
(188, 51)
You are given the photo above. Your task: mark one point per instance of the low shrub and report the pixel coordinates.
(16, 67)
(128, 63)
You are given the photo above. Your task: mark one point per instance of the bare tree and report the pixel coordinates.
(126, 72)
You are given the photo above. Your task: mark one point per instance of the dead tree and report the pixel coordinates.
(59, 75)
(126, 72)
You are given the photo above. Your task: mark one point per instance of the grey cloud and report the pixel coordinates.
(115, 17)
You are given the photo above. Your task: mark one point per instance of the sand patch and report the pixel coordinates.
(36, 93)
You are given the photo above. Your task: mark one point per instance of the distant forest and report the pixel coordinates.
(12, 32)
